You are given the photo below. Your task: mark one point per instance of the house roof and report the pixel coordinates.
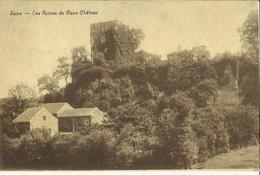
(27, 115)
(79, 112)
(52, 107)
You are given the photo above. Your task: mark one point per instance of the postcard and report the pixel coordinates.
(129, 85)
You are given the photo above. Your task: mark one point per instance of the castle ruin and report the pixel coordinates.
(110, 39)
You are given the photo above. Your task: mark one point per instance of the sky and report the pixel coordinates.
(30, 45)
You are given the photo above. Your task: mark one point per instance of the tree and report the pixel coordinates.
(143, 57)
(8, 152)
(248, 67)
(32, 149)
(249, 84)
(177, 140)
(227, 68)
(96, 150)
(186, 146)
(21, 91)
(19, 99)
(47, 83)
(139, 117)
(200, 53)
(242, 124)
(62, 70)
(180, 57)
(209, 127)
(134, 148)
(249, 35)
(186, 76)
(204, 93)
(166, 133)
(54, 97)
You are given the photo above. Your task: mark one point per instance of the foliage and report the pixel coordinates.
(21, 91)
(178, 147)
(79, 55)
(221, 62)
(62, 70)
(248, 82)
(185, 76)
(48, 83)
(180, 57)
(19, 99)
(204, 93)
(249, 64)
(93, 151)
(134, 148)
(249, 35)
(139, 117)
(99, 59)
(200, 53)
(242, 124)
(38, 150)
(208, 124)
(117, 44)
(8, 149)
(144, 57)
(33, 148)
(52, 97)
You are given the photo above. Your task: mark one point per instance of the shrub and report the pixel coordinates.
(34, 149)
(242, 124)
(8, 149)
(208, 125)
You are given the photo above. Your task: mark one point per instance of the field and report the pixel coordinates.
(244, 158)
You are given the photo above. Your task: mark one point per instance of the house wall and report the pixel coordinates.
(97, 117)
(65, 124)
(73, 124)
(51, 122)
(81, 123)
(64, 108)
(23, 128)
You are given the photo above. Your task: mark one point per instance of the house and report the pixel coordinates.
(75, 120)
(58, 117)
(56, 108)
(37, 117)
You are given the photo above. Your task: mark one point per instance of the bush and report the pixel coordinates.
(134, 148)
(213, 139)
(242, 124)
(37, 150)
(8, 148)
(177, 141)
(34, 148)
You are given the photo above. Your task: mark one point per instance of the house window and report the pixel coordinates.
(44, 117)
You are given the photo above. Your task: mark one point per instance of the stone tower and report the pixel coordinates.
(105, 39)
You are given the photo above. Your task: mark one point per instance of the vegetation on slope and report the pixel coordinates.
(243, 158)
(162, 113)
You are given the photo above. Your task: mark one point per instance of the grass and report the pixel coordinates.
(228, 98)
(244, 158)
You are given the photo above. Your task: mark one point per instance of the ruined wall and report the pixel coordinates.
(107, 40)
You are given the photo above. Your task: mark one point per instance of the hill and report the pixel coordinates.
(244, 158)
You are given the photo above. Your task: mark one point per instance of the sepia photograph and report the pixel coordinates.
(129, 85)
